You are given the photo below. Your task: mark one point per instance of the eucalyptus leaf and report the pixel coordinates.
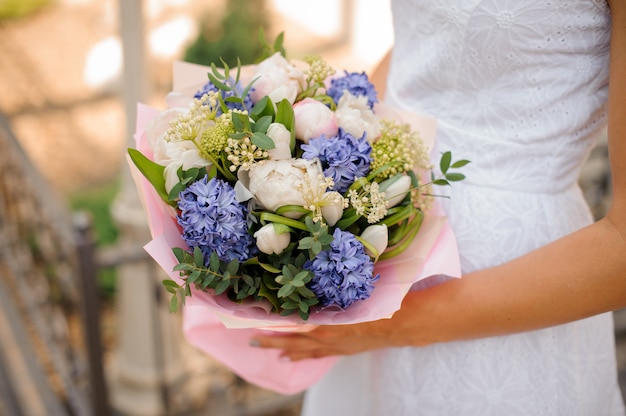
(454, 177)
(218, 84)
(262, 124)
(460, 163)
(262, 108)
(262, 141)
(214, 262)
(285, 291)
(233, 267)
(444, 163)
(222, 287)
(179, 253)
(174, 304)
(198, 257)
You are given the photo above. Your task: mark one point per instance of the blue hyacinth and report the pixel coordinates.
(344, 158)
(356, 84)
(214, 221)
(209, 87)
(343, 273)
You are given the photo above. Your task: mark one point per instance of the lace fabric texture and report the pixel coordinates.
(520, 89)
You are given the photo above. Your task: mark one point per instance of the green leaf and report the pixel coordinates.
(269, 268)
(286, 117)
(441, 182)
(278, 44)
(218, 84)
(238, 136)
(214, 262)
(270, 295)
(175, 191)
(152, 171)
(247, 279)
(174, 304)
(233, 99)
(170, 284)
(179, 253)
(289, 305)
(262, 141)
(207, 281)
(183, 267)
(460, 163)
(238, 121)
(285, 291)
(454, 177)
(233, 267)
(304, 307)
(262, 108)
(444, 163)
(316, 247)
(222, 286)
(306, 292)
(198, 257)
(262, 124)
(193, 276)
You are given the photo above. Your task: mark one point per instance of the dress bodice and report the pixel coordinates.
(519, 87)
(502, 76)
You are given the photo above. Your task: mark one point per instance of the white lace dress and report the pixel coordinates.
(520, 89)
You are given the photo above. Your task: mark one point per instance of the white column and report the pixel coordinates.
(147, 374)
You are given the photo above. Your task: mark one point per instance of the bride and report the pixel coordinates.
(522, 89)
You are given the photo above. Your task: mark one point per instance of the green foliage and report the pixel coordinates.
(271, 49)
(234, 37)
(13, 9)
(228, 85)
(152, 171)
(97, 202)
(445, 164)
(186, 178)
(221, 276)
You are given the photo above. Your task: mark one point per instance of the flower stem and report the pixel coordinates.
(270, 217)
(415, 226)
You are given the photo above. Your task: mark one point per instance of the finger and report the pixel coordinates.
(286, 342)
(308, 354)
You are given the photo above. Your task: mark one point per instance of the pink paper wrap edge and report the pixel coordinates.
(221, 330)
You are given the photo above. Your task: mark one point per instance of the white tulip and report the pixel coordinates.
(395, 189)
(272, 239)
(377, 236)
(282, 142)
(332, 211)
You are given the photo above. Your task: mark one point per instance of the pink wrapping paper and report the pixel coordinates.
(222, 328)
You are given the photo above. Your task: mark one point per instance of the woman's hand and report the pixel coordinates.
(413, 325)
(328, 340)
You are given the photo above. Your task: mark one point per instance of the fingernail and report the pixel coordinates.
(254, 343)
(285, 359)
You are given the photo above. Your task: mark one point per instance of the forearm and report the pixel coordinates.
(379, 75)
(575, 277)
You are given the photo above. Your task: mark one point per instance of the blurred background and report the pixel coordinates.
(84, 327)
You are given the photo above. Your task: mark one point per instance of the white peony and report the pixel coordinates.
(354, 116)
(278, 79)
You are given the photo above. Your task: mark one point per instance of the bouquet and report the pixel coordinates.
(283, 195)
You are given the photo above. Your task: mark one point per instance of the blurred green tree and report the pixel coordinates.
(235, 35)
(13, 9)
